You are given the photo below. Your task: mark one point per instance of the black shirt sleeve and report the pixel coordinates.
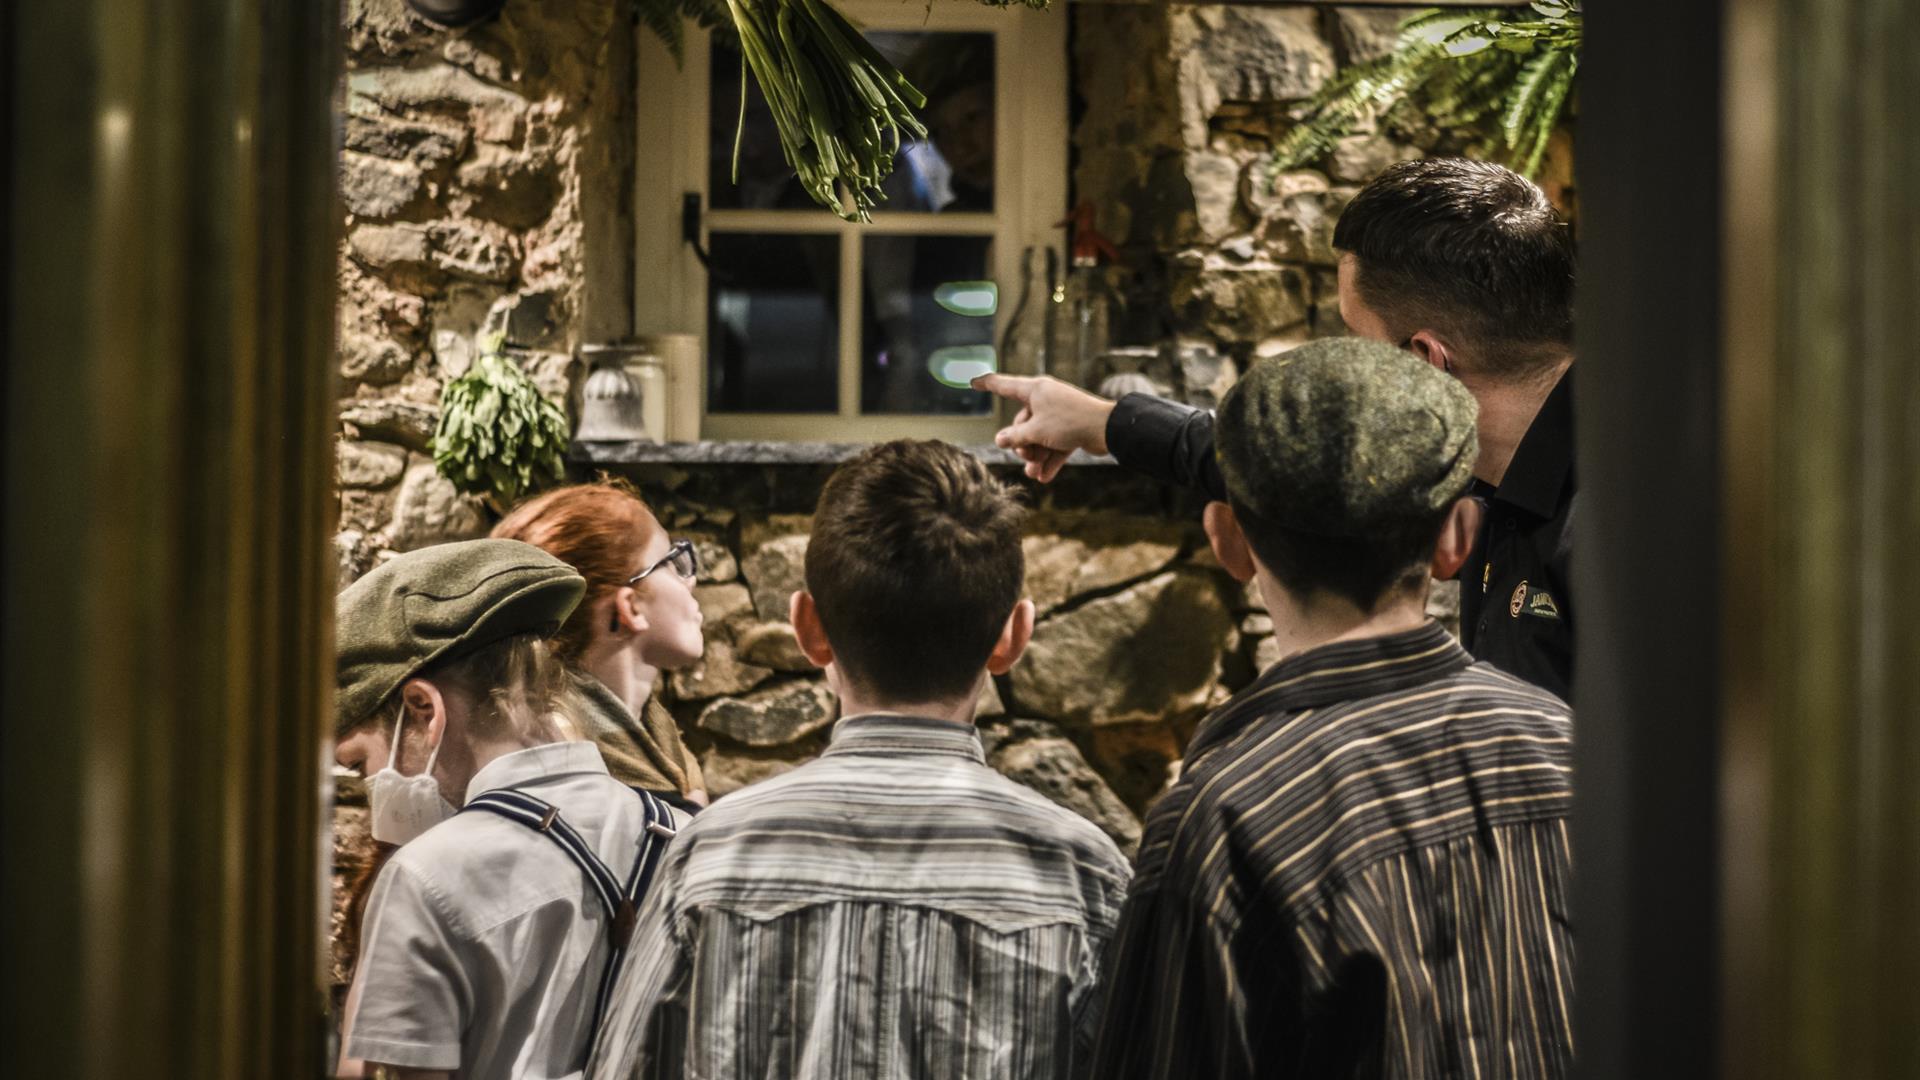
(1171, 442)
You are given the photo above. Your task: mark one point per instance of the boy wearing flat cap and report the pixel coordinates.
(491, 933)
(1363, 868)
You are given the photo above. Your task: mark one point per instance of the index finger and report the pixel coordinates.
(1015, 387)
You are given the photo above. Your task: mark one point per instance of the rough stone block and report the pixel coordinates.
(716, 559)
(428, 510)
(724, 608)
(474, 249)
(719, 673)
(1236, 302)
(1266, 192)
(391, 246)
(366, 511)
(1266, 653)
(1147, 654)
(772, 716)
(370, 465)
(509, 187)
(372, 360)
(373, 187)
(494, 113)
(1135, 759)
(1367, 33)
(989, 705)
(391, 420)
(1053, 766)
(775, 569)
(1301, 229)
(773, 645)
(1070, 557)
(427, 146)
(1245, 54)
(728, 771)
(1214, 180)
(1205, 374)
(1359, 158)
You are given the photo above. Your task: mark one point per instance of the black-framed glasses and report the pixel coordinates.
(680, 556)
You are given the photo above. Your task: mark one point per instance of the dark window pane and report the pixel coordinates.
(767, 182)
(773, 323)
(928, 312)
(951, 170)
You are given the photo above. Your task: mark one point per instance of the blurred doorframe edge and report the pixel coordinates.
(1747, 825)
(169, 404)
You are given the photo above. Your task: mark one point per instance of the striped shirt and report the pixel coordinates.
(892, 909)
(1363, 871)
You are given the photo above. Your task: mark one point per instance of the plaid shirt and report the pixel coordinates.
(893, 909)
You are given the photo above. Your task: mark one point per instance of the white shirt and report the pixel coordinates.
(483, 944)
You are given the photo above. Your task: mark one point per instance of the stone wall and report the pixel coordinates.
(484, 177)
(1222, 260)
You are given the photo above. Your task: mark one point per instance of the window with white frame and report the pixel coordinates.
(814, 328)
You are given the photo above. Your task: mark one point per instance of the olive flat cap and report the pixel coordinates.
(1344, 436)
(438, 604)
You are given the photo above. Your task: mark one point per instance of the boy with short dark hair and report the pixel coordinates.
(894, 908)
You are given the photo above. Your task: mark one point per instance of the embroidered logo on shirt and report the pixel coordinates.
(1540, 603)
(1519, 600)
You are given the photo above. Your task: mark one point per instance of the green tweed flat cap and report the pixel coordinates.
(1343, 436)
(441, 603)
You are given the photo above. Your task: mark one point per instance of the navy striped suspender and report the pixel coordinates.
(622, 902)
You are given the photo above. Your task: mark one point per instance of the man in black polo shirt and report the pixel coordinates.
(1465, 265)
(1362, 870)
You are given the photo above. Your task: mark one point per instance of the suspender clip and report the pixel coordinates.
(664, 832)
(620, 929)
(547, 819)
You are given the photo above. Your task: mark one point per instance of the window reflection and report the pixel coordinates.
(905, 323)
(951, 169)
(773, 323)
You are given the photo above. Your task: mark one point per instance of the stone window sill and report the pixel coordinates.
(766, 453)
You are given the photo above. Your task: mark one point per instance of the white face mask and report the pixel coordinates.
(403, 807)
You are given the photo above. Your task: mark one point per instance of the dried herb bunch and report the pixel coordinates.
(498, 435)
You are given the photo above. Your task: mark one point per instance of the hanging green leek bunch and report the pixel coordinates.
(498, 433)
(1509, 73)
(838, 104)
(840, 107)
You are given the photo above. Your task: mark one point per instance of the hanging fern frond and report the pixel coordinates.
(1538, 129)
(668, 20)
(1508, 74)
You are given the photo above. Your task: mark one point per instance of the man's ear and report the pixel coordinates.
(626, 611)
(808, 630)
(1229, 543)
(1455, 542)
(1429, 346)
(1013, 638)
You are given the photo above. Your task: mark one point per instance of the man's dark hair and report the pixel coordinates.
(1467, 248)
(914, 565)
(1366, 570)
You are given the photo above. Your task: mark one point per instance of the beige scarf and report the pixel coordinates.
(646, 752)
